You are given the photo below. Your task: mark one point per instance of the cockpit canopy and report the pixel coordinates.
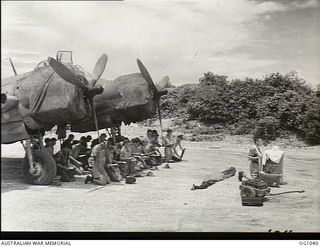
(62, 56)
(42, 64)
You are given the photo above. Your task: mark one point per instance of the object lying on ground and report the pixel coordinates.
(215, 178)
(286, 192)
(130, 180)
(254, 190)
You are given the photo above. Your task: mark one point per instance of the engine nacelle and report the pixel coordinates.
(8, 102)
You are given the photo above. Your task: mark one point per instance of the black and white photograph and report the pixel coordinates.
(160, 116)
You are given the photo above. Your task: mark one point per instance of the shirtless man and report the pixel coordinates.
(48, 146)
(69, 141)
(155, 138)
(77, 150)
(111, 166)
(126, 156)
(151, 151)
(176, 157)
(63, 168)
(139, 154)
(148, 138)
(53, 143)
(168, 142)
(101, 138)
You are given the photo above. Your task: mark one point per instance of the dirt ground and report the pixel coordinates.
(165, 202)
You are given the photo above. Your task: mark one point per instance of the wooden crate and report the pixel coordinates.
(251, 196)
(252, 201)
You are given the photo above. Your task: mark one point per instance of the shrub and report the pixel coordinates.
(277, 105)
(268, 128)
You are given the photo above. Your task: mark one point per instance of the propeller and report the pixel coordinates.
(90, 90)
(81, 81)
(66, 74)
(156, 92)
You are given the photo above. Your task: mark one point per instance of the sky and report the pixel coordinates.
(181, 39)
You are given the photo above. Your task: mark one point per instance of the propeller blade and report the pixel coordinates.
(65, 73)
(99, 69)
(157, 93)
(146, 76)
(164, 83)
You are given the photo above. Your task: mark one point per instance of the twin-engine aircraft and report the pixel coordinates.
(60, 93)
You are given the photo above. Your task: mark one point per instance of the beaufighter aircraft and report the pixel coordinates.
(60, 93)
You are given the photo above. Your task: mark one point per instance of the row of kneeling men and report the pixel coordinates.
(105, 161)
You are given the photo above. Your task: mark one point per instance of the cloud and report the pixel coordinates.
(267, 7)
(267, 17)
(304, 4)
(165, 35)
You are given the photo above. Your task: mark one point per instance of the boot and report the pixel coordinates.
(88, 179)
(240, 176)
(167, 166)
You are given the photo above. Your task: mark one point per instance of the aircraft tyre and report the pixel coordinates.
(46, 168)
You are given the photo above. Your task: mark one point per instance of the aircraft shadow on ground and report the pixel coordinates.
(11, 175)
(12, 178)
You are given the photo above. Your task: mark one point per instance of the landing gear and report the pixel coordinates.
(38, 166)
(115, 133)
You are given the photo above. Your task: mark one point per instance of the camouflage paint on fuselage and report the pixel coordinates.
(126, 99)
(49, 100)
